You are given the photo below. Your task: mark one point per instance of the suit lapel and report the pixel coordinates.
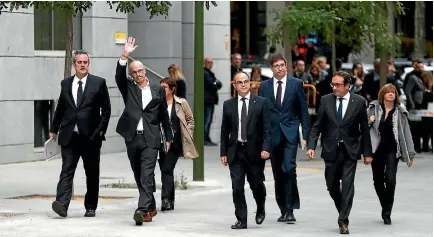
(271, 90)
(287, 90)
(251, 106)
(236, 115)
(335, 108)
(137, 94)
(70, 97)
(154, 94)
(350, 108)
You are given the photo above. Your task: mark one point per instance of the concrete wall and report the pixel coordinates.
(27, 75)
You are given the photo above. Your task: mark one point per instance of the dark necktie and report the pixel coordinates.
(340, 109)
(244, 120)
(279, 93)
(79, 92)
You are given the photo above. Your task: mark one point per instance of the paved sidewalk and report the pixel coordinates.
(206, 209)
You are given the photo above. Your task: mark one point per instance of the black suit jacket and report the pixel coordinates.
(353, 129)
(153, 114)
(258, 129)
(91, 116)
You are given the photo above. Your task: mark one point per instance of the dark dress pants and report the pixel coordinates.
(239, 168)
(143, 160)
(167, 163)
(283, 163)
(384, 168)
(342, 169)
(89, 151)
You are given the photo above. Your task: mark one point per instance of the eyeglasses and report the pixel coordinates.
(141, 70)
(245, 82)
(279, 66)
(337, 85)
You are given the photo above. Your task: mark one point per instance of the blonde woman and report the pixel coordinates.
(176, 74)
(182, 124)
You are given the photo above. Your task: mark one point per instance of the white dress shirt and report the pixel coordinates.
(275, 85)
(146, 95)
(75, 90)
(240, 107)
(345, 102)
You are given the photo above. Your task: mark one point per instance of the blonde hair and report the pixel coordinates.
(177, 74)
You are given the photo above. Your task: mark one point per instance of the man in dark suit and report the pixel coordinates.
(245, 144)
(287, 108)
(343, 123)
(81, 119)
(139, 124)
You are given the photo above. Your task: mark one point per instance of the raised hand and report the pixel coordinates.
(129, 47)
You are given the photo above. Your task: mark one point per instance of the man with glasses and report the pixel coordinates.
(343, 123)
(287, 109)
(244, 146)
(81, 119)
(139, 125)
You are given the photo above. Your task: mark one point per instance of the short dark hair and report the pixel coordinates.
(343, 74)
(243, 72)
(80, 52)
(276, 57)
(170, 82)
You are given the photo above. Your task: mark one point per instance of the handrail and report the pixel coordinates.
(149, 69)
(307, 86)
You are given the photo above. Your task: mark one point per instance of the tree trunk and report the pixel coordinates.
(68, 51)
(333, 62)
(198, 164)
(419, 29)
(385, 55)
(287, 44)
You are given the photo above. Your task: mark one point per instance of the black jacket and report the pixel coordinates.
(353, 129)
(91, 116)
(258, 129)
(153, 114)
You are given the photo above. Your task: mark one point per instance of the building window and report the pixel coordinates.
(50, 30)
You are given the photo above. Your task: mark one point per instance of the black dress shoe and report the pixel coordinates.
(89, 213)
(138, 217)
(172, 205)
(260, 216)
(282, 218)
(59, 208)
(387, 220)
(165, 205)
(239, 225)
(290, 217)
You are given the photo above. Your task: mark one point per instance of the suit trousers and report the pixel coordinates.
(239, 168)
(167, 163)
(384, 168)
(143, 160)
(343, 168)
(283, 163)
(89, 151)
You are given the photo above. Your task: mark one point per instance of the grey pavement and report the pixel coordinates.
(206, 208)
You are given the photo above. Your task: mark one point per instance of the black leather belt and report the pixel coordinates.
(139, 132)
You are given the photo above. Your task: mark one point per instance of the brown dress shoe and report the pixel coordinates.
(343, 229)
(148, 216)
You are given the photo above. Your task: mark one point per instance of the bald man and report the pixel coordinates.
(139, 124)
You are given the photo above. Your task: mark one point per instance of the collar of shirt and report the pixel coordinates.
(143, 88)
(283, 80)
(247, 97)
(346, 97)
(83, 80)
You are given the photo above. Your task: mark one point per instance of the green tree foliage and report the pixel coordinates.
(350, 22)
